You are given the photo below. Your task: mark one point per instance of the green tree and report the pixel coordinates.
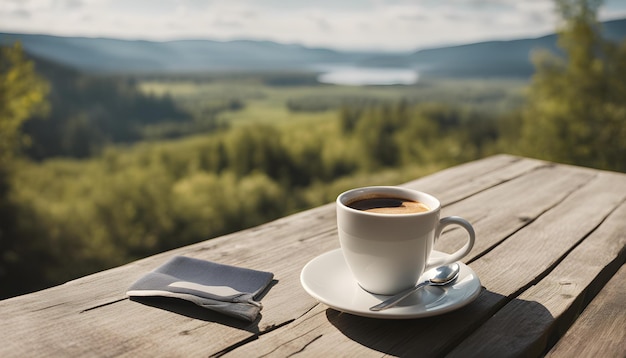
(22, 93)
(576, 111)
(256, 147)
(376, 130)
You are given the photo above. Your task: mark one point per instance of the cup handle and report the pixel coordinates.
(459, 254)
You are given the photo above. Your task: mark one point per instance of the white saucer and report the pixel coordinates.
(328, 279)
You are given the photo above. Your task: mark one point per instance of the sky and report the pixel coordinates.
(383, 25)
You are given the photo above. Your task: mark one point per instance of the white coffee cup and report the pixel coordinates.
(387, 253)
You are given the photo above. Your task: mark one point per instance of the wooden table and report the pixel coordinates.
(549, 252)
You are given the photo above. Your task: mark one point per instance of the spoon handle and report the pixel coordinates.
(394, 300)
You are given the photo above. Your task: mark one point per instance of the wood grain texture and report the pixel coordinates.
(503, 210)
(529, 323)
(600, 331)
(556, 231)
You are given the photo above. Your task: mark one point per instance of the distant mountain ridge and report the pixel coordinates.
(102, 55)
(119, 56)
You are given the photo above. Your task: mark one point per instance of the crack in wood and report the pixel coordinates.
(252, 338)
(103, 305)
(48, 307)
(270, 329)
(294, 339)
(307, 311)
(305, 346)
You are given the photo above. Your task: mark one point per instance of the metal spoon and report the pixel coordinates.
(442, 276)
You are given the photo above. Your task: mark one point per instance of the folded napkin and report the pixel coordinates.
(226, 289)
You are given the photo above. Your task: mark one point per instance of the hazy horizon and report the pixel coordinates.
(384, 25)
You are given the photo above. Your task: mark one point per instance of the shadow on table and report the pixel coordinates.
(189, 309)
(438, 335)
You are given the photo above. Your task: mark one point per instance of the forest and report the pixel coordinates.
(98, 171)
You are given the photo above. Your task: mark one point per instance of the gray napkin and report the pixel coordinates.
(226, 289)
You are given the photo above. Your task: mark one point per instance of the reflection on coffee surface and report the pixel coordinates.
(389, 205)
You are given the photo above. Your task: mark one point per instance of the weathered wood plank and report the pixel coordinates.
(504, 209)
(601, 329)
(528, 253)
(527, 325)
(459, 182)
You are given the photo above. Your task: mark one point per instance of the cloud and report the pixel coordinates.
(21, 13)
(353, 24)
(321, 23)
(227, 23)
(43, 5)
(70, 4)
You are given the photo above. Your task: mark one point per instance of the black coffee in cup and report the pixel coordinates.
(388, 205)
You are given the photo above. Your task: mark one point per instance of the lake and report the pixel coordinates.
(361, 76)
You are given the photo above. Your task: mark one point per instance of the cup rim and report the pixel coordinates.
(433, 209)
